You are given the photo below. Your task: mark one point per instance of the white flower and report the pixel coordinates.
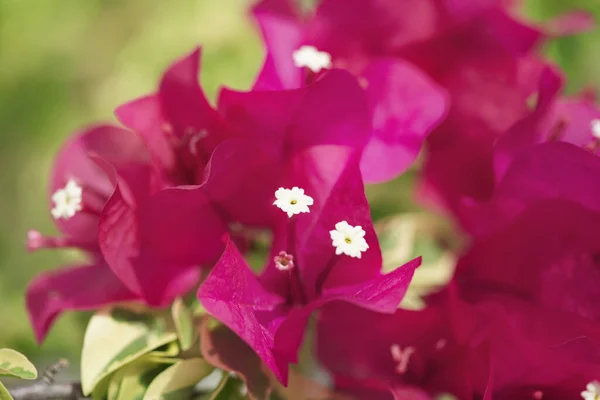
(595, 127)
(592, 391)
(293, 201)
(311, 58)
(348, 239)
(67, 201)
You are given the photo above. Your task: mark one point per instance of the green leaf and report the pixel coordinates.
(169, 350)
(115, 337)
(15, 364)
(228, 389)
(406, 236)
(178, 381)
(182, 316)
(132, 381)
(445, 396)
(4, 395)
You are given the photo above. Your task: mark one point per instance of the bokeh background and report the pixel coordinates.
(68, 63)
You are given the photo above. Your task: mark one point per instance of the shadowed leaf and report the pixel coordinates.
(225, 350)
(132, 381)
(302, 388)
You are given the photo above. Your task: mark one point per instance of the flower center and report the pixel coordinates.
(284, 261)
(294, 202)
(348, 240)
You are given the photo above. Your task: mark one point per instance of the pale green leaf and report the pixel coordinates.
(169, 350)
(178, 381)
(228, 389)
(15, 364)
(4, 395)
(406, 236)
(115, 337)
(445, 396)
(132, 381)
(182, 316)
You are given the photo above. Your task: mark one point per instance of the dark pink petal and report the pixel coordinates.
(530, 129)
(401, 393)
(118, 237)
(158, 246)
(286, 8)
(241, 178)
(180, 226)
(354, 28)
(382, 294)
(547, 255)
(282, 34)
(248, 112)
(375, 389)
(465, 10)
(357, 343)
(405, 107)
(333, 110)
(184, 102)
(488, 94)
(547, 171)
(459, 172)
(177, 123)
(233, 295)
(513, 35)
(541, 349)
(116, 145)
(145, 117)
(73, 288)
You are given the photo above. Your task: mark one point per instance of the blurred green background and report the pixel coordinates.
(67, 63)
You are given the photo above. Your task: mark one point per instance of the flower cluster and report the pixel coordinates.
(170, 201)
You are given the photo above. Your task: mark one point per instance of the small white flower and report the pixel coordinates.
(348, 239)
(595, 127)
(67, 201)
(592, 391)
(311, 58)
(293, 201)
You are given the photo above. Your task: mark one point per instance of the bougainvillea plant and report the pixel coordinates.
(231, 251)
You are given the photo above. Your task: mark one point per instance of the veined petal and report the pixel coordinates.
(233, 295)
